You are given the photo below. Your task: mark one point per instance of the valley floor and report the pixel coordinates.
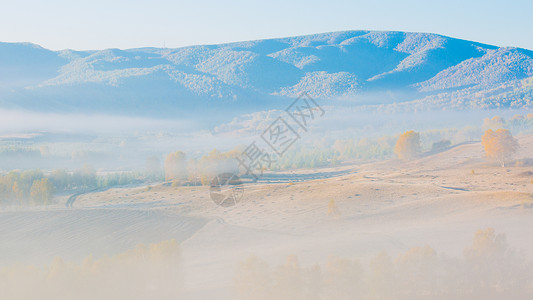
(438, 200)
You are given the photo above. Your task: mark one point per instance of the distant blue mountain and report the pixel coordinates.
(350, 65)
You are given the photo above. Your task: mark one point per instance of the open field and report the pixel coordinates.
(438, 200)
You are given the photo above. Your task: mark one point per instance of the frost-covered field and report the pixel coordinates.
(352, 232)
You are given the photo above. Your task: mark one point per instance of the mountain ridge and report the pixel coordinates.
(344, 65)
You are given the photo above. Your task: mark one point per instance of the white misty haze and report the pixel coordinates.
(99, 24)
(385, 155)
(21, 121)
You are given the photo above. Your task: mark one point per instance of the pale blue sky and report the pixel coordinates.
(99, 24)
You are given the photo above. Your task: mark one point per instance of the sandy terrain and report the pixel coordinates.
(439, 200)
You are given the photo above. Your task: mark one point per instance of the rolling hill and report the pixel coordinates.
(359, 67)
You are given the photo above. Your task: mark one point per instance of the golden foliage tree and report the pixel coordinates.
(486, 245)
(499, 144)
(41, 191)
(217, 162)
(18, 191)
(175, 166)
(408, 145)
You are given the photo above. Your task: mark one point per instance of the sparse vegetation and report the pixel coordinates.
(126, 275)
(333, 210)
(441, 145)
(488, 268)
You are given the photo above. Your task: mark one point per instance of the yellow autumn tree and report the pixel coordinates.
(18, 191)
(408, 145)
(217, 162)
(176, 166)
(41, 191)
(499, 145)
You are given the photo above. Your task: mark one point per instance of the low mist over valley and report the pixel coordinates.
(340, 165)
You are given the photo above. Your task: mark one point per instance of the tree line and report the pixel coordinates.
(33, 187)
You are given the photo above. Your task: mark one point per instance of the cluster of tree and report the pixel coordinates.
(432, 138)
(406, 146)
(82, 179)
(409, 146)
(215, 162)
(364, 148)
(499, 145)
(440, 145)
(124, 275)
(177, 168)
(86, 178)
(305, 158)
(34, 187)
(182, 171)
(26, 187)
(10, 152)
(489, 269)
(118, 179)
(517, 123)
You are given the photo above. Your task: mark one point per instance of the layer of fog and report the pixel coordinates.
(16, 121)
(124, 143)
(488, 269)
